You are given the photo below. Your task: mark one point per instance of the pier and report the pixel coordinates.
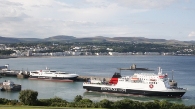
(15, 73)
(5, 71)
(26, 74)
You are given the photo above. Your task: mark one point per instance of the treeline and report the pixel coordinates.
(6, 52)
(29, 97)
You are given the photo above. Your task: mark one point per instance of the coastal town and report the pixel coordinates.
(89, 49)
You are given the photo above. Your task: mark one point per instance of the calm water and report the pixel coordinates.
(182, 67)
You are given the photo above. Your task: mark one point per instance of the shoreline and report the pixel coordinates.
(8, 57)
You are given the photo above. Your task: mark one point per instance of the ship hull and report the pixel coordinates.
(62, 79)
(170, 93)
(55, 80)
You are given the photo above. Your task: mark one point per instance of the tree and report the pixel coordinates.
(105, 103)
(177, 106)
(123, 104)
(78, 98)
(28, 97)
(152, 105)
(85, 103)
(6, 52)
(164, 104)
(56, 101)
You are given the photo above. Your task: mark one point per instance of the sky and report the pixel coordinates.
(154, 19)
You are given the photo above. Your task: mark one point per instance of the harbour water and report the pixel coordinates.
(103, 66)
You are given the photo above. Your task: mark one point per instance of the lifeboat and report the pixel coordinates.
(161, 76)
(152, 79)
(134, 78)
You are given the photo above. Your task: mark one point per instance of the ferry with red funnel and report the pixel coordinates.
(146, 84)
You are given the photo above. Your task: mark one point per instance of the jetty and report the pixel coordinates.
(5, 71)
(10, 86)
(15, 73)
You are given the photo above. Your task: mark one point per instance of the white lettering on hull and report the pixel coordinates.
(113, 89)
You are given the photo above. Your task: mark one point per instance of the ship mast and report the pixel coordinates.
(172, 75)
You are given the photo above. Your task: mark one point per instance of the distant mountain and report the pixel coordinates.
(91, 39)
(65, 38)
(60, 38)
(31, 40)
(9, 40)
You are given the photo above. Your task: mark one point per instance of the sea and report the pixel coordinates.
(181, 67)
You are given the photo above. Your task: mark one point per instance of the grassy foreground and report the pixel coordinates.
(39, 107)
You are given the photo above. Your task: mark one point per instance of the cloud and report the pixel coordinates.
(192, 34)
(145, 4)
(81, 18)
(4, 3)
(44, 18)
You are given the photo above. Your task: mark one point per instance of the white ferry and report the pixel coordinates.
(52, 75)
(147, 84)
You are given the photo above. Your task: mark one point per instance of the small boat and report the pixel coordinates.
(10, 86)
(5, 67)
(146, 84)
(53, 75)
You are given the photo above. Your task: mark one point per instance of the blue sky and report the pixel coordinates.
(155, 19)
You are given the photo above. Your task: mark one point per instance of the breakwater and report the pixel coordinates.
(15, 73)
(24, 75)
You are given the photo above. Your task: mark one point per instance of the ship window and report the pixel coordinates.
(52, 71)
(62, 73)
(35, 72)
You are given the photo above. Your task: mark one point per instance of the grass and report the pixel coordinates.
(39, 107)
(29, 107)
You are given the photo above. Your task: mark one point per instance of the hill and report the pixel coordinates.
(60, 38)
(65, 38)
(9, 40)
